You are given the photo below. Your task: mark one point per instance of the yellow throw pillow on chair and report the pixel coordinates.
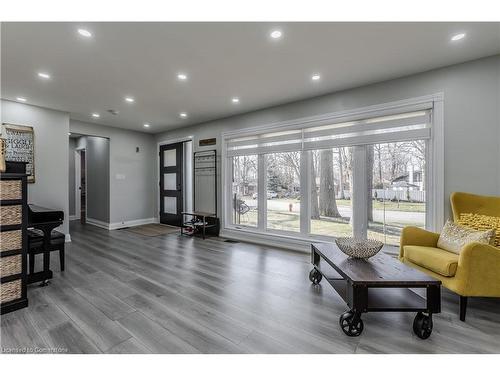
(482, 222)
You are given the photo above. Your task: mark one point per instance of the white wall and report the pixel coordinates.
(498, 122)
(132, 192)
(51, 154)
(471, 116)
(131, 174)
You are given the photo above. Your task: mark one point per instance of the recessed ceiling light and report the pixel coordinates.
(129, 99)
(43, 75)
(235, 100)
(456, 37)
(146, 125)
(183, 115)
(276, 34)
(85, 33)
(96, 115)
(182, 76)
(315, 77)
(21, 99)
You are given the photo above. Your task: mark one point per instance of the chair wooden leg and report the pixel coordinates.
(61, 259)
(463, 308)
(32, 263)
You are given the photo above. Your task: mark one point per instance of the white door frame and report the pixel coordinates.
(78, 177)
(77, 184)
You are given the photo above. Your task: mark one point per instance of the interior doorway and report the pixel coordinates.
(80, 192)
(89, 180)
(176, 180)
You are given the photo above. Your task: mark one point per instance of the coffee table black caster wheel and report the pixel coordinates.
(315, 276)
(351, 323)
(422, 325)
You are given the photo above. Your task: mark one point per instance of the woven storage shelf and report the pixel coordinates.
(10, 291)
(10, 189)
(13, 244)
(10, 265)
(10, 240)
(10, 215)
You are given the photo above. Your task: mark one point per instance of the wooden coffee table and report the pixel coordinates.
(378, 284)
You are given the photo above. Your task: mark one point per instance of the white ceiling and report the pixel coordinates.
(222, 60)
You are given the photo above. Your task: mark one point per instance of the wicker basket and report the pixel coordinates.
(11, 240)
(358, 248)
(10, 189)
(10, 265)
(10, 291)
(10, 215)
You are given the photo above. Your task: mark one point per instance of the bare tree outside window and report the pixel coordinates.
(327, 198)
(330, 193)
(283, 191)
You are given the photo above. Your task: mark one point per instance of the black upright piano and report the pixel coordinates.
(44, 219)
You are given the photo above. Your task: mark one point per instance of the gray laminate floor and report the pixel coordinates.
(126, 293)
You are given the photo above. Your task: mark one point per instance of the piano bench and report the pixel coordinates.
(35, 246)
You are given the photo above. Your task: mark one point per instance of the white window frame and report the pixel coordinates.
(434, 169)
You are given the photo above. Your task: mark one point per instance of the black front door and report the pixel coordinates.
(171, 180)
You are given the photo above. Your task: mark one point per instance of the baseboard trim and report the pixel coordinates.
(97, 223)
(73, 217)
(123, 224)
(132, 223)
(302, 245)
(283, 242)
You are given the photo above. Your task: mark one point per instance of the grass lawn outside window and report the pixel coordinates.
(284, 214)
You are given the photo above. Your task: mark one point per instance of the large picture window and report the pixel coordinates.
(363, 176)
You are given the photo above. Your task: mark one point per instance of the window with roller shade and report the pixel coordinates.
(359, 175)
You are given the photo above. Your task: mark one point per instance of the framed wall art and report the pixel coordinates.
(20, 146)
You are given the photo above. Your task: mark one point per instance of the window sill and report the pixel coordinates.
(288, 240)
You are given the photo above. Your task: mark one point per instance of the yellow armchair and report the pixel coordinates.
(475, 272)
